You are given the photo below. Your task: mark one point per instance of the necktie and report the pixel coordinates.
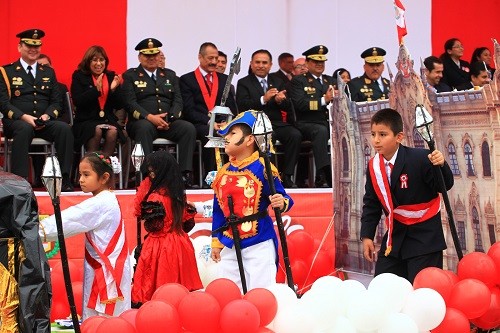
(389, 171)
(289, 76)
(319, 80)
(209, 81)
(30, 73)
(153, 77)
(263, 82)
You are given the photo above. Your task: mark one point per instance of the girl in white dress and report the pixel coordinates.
(107, 273)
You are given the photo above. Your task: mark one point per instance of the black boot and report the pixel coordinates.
(287, 181)
(187, 178)
(323, 177)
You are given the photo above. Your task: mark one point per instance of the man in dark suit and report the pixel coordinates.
(30, 100)
(403, 182)
(154, 104)
(311, 92)
(263, 92)
(370, 86)
(201, 91)
(285, 61)
(434, 74)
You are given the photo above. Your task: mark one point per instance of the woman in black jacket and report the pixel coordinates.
(95, 93)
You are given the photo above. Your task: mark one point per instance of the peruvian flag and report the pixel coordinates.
(400, 20)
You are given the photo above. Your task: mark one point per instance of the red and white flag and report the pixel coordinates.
(400, 20)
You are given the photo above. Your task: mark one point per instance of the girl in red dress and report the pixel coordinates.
(167, 254)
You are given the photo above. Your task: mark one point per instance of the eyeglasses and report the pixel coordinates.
(299, 66)
(458, 47)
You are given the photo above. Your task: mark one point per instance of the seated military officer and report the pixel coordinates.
(154, 103)
(30, 100)
(311, 92)
(370, 86)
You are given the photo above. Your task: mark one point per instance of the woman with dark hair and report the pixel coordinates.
(456, 71)
(344, 74)
(167, 254)
(95, 93)
(483, 54)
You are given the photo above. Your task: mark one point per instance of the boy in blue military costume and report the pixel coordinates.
(243, 178)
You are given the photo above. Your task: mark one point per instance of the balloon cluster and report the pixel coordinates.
(309, 260)
(60, 305)
(472, 295)
(173, 309)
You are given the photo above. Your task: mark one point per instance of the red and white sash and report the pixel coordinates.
(108, 271)
(208, 96)
(406, 214)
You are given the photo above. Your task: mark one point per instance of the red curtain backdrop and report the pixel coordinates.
(71, 27)
(474, 23)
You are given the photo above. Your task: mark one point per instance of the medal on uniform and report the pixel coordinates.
(246, 226)
(17, 93)
(101, 114)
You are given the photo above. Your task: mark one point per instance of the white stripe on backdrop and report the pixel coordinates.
(345, 27)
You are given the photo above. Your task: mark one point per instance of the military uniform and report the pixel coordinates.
(20, 94)
(364, 89)
(144, 96)
(307, 95)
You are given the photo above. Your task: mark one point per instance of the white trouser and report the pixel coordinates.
(259, 264)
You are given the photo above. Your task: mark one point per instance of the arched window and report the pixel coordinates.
(417, 139)
(344, 233)
(345, 158)
(452, 153)
(468, 159)
(367, 155)
(476, 227)
(485, 155)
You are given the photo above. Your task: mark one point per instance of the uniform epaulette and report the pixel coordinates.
(274, 170)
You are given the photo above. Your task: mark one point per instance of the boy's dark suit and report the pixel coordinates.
(248, 95)
(408, 241)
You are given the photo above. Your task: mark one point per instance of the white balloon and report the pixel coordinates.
(342, 325)
(391, 290)
(294, 319)
(323, 305)
(426, 307)
(364, 312)
(398, 323)
(285, 296)
(327, 283)
(348, 291)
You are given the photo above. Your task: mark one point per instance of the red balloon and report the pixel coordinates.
(494, 253)
(240, 316)
(480, 266)
(491, 318)
(454, 277)
(129, 315)
(434, 278)
(157, 316)
(199, 312)
(78, 296)
(299, 272)
(59, 310)
(90, 324)
(265, 302)
(75, 269)
(58, 287)
(224, 290)
(171, 293)
(115, 325)
(470, 296)
(280, 274)
(454, 321)
(322, 265)
(301, 244)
